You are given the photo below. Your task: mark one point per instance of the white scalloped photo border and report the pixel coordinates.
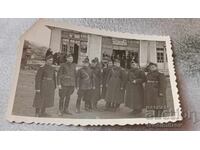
(97, 122)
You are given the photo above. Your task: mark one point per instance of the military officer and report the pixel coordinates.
(155, 90)
(115, 86)
(45, 84)
(66, 84)
(134, 98)
(85, 84)
(96, 93)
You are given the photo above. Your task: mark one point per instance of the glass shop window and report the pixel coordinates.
(160, 55)
(83, 47)
(65, 43)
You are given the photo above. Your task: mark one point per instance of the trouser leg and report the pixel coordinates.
(87, 97)
(66, 103)
(69, 91)
(78, 102)
(43, 110)
(37, 112)
(80, 96)
(61, 101)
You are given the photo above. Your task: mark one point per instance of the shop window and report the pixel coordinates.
(160, 55)
(65, 43)
(77, 36)
(83, 47)
(71, 46)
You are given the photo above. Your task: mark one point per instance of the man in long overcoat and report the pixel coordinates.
(45, 84)
(115, 85)
(96, 93)
(66, 83)
(134, 98)
(155, 90)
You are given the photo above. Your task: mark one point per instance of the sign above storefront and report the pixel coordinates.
(121, 42)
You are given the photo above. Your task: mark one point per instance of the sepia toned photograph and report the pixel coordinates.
(75, 75)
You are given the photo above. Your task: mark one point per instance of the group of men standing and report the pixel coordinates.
(95, 81)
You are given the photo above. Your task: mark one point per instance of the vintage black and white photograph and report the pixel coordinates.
(75, 75)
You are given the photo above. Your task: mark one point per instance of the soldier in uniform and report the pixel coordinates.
(115, 86)
(45, 84)
(96, 93)
(155, 90)
(85, 84)
(134, 88)
(66, 84)
(107, 65)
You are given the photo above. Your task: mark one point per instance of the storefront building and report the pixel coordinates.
(83, 45)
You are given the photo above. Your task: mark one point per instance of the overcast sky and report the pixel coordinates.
(39, 34)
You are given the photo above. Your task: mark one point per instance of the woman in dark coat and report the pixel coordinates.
(155, 90)
(134, 88)
(45, 84)
(115, 85)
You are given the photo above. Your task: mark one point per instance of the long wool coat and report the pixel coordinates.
(115, 82)
(134, 98)
(45, 81)
(104, 79)
(96, 93)
(155, 85)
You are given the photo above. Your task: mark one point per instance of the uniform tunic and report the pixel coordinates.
(85, 82)
(155, 85)
(115, 83)
(67, 74)
(45, 81)
(66, 78)
(134, 89)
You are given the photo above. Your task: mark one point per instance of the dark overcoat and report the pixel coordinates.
(134, 98)
(96, 93)
(104, 79)
(155, 87)
(45, 81)
(115, 81)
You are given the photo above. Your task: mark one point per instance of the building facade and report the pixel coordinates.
(91, 45)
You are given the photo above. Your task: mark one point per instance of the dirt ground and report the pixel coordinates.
(25, 94)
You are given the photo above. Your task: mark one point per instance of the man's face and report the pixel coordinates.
(153, 67)
(134, 66)
(70, 59)
(117, 64)
(85, 64)
(49, 61)
(93, 64)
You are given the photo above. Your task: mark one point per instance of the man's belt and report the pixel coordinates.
(68, 77)
(46, 78)
(150, 81)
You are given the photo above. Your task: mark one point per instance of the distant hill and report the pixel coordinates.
(35, 51)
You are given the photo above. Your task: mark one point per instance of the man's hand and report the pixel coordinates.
(93, 87)
(121, 88)
(59, 87)
(160, 94)
(37, 91)
(134, 81)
